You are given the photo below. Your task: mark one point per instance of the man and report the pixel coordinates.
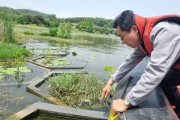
(159, 38)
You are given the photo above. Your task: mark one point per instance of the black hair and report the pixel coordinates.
(125, 20)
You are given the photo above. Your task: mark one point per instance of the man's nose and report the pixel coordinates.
(123, 42)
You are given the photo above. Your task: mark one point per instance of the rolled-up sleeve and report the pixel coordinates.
(166, 40)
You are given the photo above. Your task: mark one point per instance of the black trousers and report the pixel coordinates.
(169, 85)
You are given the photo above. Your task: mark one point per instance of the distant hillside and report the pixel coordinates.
(88, 24)
(24, 12)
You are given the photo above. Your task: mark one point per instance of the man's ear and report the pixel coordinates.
(135, 29)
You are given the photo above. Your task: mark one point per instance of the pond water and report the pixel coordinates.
(107, 52)
(103, 52)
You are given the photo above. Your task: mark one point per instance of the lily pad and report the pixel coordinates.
(109, 68)
(24, 69)
(74, 53)
(57, 62)
(12, 69)
(9, 72)
(54, 62)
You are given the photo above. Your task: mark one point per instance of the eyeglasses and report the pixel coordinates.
(122, 36)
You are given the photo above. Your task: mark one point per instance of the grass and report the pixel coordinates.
(37, 30)
(81, 33)
(76, 90)
(12, 52)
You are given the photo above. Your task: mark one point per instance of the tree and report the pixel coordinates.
(86, 25)
(53, 31)
(64, 30)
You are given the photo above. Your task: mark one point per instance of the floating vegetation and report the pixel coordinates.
(51, 61)
(12, 71)
(76, 90)
(109, 68)
(49, 50)
(74, 53)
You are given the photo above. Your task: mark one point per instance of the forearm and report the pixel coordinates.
(110, 82)
(128, 65)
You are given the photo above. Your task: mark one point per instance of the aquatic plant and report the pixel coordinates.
(77, 90)
(13, 71)
(49, 50)
(11, 52)
(109, 68)
(50, 61)
(74, 53)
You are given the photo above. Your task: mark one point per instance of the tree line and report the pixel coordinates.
(87, 24)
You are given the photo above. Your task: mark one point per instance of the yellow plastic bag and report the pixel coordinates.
(112, 116)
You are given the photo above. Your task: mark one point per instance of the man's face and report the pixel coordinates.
(129, 38)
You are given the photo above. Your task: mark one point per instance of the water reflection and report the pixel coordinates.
(103, 44)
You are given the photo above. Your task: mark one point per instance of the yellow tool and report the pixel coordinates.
(112, 116)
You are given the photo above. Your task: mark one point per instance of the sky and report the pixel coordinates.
(96, 8)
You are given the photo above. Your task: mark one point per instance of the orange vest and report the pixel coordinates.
(145, 26)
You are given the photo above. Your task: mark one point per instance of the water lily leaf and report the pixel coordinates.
(12, 69)
(24, 69)
(74, 53)
(65, 63)
(57, 62)
(9, 72)
(109, 68)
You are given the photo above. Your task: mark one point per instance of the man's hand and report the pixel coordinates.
(119, 106)
(106, 89)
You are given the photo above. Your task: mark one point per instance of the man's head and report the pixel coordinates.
(126, 29)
